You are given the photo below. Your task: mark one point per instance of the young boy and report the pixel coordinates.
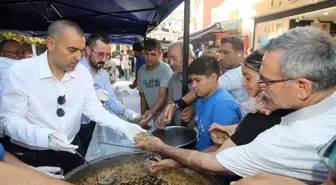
(153, 78)
(214, 103)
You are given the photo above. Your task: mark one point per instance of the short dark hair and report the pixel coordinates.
(236, 42)
(152, 44)
(4, 43)
(165, 54)
(254, 60)
(137, 47)
(59, 26)
(204, 65)
(99, 35)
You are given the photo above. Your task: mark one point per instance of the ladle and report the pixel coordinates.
(108, 181)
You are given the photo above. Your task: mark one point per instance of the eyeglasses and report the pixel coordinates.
(327, 153)
(18, 53)
(60, 101)
(102, 54)
(261, 80)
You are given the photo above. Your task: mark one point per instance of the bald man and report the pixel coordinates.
(45, 97)
(11, 49)
(175, 58)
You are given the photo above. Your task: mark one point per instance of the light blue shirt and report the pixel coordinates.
(5, 63)
(101, 80)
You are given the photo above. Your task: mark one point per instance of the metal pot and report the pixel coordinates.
(82, 172)
(178, 136)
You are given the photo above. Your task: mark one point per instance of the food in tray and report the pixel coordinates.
(219, 137)
(134, 173)
(140, 137)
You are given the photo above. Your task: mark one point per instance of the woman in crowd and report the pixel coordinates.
(248, 130)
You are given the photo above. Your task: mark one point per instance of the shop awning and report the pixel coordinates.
(136, 17)
(203, 32)
(223, 26)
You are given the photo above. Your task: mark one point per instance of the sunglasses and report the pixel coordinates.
(327, 154)
(60, 101)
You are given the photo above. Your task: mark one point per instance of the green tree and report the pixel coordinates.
(21, 38)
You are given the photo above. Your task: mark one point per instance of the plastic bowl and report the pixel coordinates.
(147, 157)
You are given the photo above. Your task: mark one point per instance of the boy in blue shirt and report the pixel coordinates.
(214, 103)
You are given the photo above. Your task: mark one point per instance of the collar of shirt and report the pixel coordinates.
(311, 111)
(45, 71)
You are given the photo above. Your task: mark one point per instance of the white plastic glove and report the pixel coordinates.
(102, 95)
(58, 142)
(55, 172)
(130, 130)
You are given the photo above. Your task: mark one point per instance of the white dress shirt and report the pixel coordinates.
(116, 61)
(29, 103)
(5, 63)
(288, 149)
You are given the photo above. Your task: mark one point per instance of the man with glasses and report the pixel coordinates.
(11, 49)
(292, 77)
(45, 97)
(97, 53)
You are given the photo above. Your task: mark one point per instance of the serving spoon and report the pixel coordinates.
(108, 181)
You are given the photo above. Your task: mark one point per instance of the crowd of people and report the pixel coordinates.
(285, 134)
(291, 85)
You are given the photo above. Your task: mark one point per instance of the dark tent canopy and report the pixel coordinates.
(117, 17)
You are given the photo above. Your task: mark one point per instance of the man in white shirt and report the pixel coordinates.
(10, 51)
(45, 97)
(5, 63)
(292, 77)
(117, 62)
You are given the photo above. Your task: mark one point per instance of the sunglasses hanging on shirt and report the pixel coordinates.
(60, 101)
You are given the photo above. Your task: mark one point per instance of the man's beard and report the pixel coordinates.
(97, 65)
(223, 66)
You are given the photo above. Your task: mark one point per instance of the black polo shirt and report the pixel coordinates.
(254, 124)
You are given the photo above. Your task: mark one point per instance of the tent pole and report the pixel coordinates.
(186, 46)
(185, 50)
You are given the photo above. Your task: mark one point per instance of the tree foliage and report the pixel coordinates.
(20, 38)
